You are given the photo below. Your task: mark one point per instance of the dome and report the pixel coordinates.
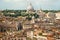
(30, 7)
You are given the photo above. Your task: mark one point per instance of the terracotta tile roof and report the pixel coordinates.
(6, 25)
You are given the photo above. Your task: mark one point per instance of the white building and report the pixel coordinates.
(30, 9)
(57, 15)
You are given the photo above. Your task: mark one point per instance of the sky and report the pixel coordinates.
(23, 4)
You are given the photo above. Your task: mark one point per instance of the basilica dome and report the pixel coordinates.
(30, 7)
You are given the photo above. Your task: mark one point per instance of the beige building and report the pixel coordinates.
(57, 15)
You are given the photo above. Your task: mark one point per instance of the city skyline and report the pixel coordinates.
(37, 4)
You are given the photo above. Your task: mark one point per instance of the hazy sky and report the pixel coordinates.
(37, 4)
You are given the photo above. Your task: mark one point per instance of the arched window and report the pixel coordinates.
(2, 29)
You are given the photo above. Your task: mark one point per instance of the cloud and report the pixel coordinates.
(45, 4)
(6, 0)
(13, 0)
